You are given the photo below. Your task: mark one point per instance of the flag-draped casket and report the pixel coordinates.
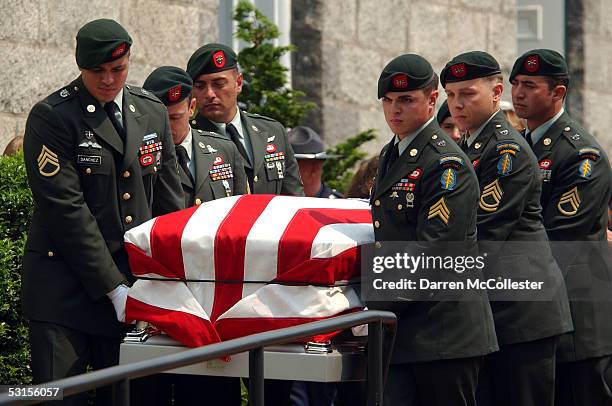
(246, 264)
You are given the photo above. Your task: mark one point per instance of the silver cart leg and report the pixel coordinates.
(256, 377)
(375, 369)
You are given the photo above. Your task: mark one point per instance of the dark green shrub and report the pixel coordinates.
(15, 213)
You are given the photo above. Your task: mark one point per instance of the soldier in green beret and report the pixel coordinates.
(425, 191)
(447, 123)
(509, 212)
(98, 163)
(269, 161)
(575, 172)
(210, 165)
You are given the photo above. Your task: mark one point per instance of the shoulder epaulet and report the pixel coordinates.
(259, 116)
(140, 92)
(440, 144)
(502, 133)
(577, 136)
(210, 134)
(62, 95)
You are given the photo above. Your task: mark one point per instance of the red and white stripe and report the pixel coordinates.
(250, 238)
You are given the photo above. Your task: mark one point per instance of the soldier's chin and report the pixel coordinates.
(106, 95)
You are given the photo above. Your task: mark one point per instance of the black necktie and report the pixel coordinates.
(463, 142)
(393, 156)
(183, 159)
(529, 140)
(112, 110)
(248, 167)
(233, 133)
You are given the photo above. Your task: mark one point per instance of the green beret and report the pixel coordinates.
(211, 58)
(405, 73)
(468, 66)
(101, 41)
(169, 83)
(443, 112)
(540, 62)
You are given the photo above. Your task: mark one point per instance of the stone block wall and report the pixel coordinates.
(344, 44)
(37, 42)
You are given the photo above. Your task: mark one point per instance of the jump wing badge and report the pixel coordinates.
(569, 203)
(439, 210)
(491, 197)
(48, 162)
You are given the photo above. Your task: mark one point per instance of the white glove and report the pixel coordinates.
(119, 296)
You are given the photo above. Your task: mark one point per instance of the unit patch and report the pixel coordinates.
(448, 180)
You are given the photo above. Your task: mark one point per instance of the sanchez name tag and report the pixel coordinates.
(89, 159)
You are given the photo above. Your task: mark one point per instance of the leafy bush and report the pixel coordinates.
(15, 213)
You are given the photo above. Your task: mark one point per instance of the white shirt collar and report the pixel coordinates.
(476, 133)
(405, 143)
(187, 143)
(542, 128)
(118, 100)
(236, 121)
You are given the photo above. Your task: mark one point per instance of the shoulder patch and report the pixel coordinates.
(589, 153)
(451, 161)
(508, 148)
(504, 165)
(448, 180)
(585, 170)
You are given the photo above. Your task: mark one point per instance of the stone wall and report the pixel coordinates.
(37, 42)
(344, 44)
(589, 43)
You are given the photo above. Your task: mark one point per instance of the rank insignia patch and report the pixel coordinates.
(569, 203)
(586, 169)
(439, 210)
(491, 197)
(504, 165)
(48, 162)
(448, 180)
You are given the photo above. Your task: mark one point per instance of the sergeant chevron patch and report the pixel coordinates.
(491, 197)
(569, 203)
(48, 162)
(439, 210)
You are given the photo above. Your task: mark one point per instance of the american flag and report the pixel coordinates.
(246, 264)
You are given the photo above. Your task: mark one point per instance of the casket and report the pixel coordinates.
(246, 264)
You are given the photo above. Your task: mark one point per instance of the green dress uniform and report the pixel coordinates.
(510, 230)
(274, 169)
(576, 190)
(428, 194)
(219, 169)
(89, 185)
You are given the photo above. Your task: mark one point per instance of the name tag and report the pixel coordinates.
(89, 159)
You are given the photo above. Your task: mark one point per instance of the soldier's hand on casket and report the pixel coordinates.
(119, 296)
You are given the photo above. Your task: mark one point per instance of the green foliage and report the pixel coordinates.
(265, 88)
(337, 172)
(15, 213)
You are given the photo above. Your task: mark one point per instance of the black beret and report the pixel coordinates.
(443, 112)
(468, 66)
(405, 73)
(101, 41)
(211, 58)
(169, 83)
(540, 62)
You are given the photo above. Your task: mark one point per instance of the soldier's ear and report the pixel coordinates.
(559, 92)
(192, 107)
(239, 80)
(433, 97)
